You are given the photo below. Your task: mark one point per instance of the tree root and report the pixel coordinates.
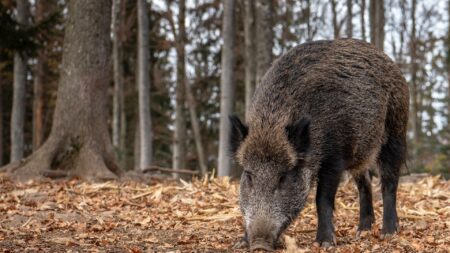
(59, 159)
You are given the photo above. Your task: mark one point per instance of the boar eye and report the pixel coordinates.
(248, 177)
(282, 180)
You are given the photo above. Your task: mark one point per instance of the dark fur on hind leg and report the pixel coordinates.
(366, 214)
(392, 157)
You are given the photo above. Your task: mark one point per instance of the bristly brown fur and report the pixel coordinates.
(353, 93)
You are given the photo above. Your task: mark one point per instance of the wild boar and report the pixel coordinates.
(322, 108)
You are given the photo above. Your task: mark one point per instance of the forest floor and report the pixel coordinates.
(199, 216)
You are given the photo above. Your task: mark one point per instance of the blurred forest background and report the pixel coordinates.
(171, 53)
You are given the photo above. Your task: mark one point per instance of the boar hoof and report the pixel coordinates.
(326, 244)
(241, 244)
(389, 232)
(264, 247)
(362, 234)
(386, 236)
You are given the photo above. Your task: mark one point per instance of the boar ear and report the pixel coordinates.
(298, 135)
(238, 132)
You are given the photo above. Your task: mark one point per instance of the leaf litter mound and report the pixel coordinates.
(200, 216)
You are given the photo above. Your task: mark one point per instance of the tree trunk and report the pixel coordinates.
(19, 90)
(79, 143)
(349, 28)
(250, 53)
(39, 75)
(196, 129)
(448, 70)
(335, 21)
(308, 21)
(414, 86)
(264, 37)
(1, 121)
(179, 145)
(226, 85)
(363, 19)
(118, 119)
(43, 9)
(377, 23)
(145, 128)
(136, 146)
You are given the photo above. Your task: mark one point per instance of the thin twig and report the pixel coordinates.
(157, 168)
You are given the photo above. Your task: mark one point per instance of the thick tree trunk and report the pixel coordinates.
(377, 23)
(226, 86)
(250, 52)
(196, 129)
(335, 21)
(349, 28)
(179, 145)
(145, 128)
(79, 143)
(118, 119)
(264, 37)
(363, 19)
(19, 90)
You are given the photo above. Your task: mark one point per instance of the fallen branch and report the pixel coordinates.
(158, 168)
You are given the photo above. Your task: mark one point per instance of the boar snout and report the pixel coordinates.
(263, 234)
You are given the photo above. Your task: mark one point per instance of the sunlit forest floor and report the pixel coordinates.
(202, 216)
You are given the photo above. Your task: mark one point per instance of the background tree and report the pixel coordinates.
(226, 86)
(79, 143)
(336, 27)
(145, 127)
(20, 83)
(264, 37)
(362, 15)
(118, 116)
(377, 21)
(250, 52)
(349, 27)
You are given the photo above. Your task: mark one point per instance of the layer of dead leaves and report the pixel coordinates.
(200, 216)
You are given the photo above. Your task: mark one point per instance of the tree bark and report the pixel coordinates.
(145, 128)
(414, 86)
(226, 85)
(349, 28)
(137, 146)
(179, 145)
(196, 129)
(19, 90)
(1, 121)
(448, 70)
(377, 23)
(335, 21)
(363, 19)
(250, 52)
(309, 35)
(264, 37)
(43, 9)
(79, 143)
(118, 119)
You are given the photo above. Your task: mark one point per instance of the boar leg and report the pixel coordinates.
(328, 182)
(391, 158)
(366, 215)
